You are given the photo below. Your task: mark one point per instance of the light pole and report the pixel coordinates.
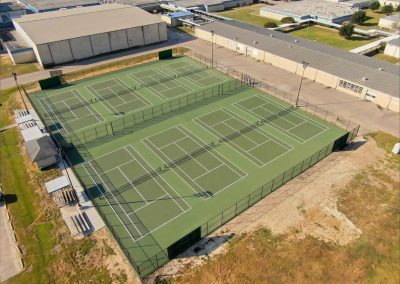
(212, 49)
(305, 64)
(16, 82)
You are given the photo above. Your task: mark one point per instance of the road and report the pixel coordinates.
(368, 115)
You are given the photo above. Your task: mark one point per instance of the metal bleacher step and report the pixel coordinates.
(83, 221)
(76, 226)
(78, 222)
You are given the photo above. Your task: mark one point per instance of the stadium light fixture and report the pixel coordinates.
(212, 48)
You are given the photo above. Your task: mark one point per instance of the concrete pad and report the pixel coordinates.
(10, 258)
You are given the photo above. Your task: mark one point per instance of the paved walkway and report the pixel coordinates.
(367, 114)
(10, 264)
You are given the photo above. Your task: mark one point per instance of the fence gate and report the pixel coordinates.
(184, 243)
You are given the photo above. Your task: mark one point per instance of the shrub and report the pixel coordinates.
(387, 9)
(270, 25)
(374, 5)
(346, 30)
(359, 17)
(287, 20)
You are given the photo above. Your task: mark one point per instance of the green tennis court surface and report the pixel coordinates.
(162, 183)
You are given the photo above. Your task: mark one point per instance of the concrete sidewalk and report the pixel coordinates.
(175, 38)
(10, 258)
(367, 114)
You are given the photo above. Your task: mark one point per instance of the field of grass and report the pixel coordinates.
(373, 20)
(370, 200)
(388, 58)
(7, 67)
(49, 253)
(331, 37)
(249, 14)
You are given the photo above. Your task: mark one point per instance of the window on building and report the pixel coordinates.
(350, 86)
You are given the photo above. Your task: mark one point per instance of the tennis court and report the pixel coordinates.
(295, 125)
(201, 167)
(69, 111)
(117, 97)
(99, 100)
(169, 151)
(249, 139)
(137, 194)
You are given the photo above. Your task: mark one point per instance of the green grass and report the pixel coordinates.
(263, 257)
(249, 14)
(8, 102)
(387, 58)
(35, 239)
(331, 37)
(232, 173)
(372, 20)
(7, 67)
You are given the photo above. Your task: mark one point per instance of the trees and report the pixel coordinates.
(287, 20)
(387, 9)
(270, 25)
(374, 5)
(359, 17)
(346, 30)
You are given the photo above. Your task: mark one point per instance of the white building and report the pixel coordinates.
(390, 22)
(393, 48)
(394, 3)
(364, 77)
(74, 34)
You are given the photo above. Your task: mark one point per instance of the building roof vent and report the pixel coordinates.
(296, 40)
(290, 46)
(271, 35)
(364, 78)
(380, 69)
(255, 42)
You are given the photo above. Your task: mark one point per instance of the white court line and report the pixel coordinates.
(93, 92)
(69, 109)
(78, 97)
(134, 187)
(186, 153)
(266, 135)
(140, 97)
(149, 203)
(208, 171)
(58, 119)
(173, 142)
(119, 204)
(278, 128)
(154, 178)
(111, 205)
(239, 174)
(218, 134)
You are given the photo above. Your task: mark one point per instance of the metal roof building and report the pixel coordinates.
(356, 74)
(39, 6)
(84, 32)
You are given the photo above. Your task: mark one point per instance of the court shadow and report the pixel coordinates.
(206, 246)
(155, 120)
(353, 145)
(205, 194)
(10, 198)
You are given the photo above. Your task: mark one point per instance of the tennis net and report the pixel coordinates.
(188, 156)
(239, 132)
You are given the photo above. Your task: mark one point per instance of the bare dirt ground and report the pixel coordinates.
(305, 206)
(115, 262)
